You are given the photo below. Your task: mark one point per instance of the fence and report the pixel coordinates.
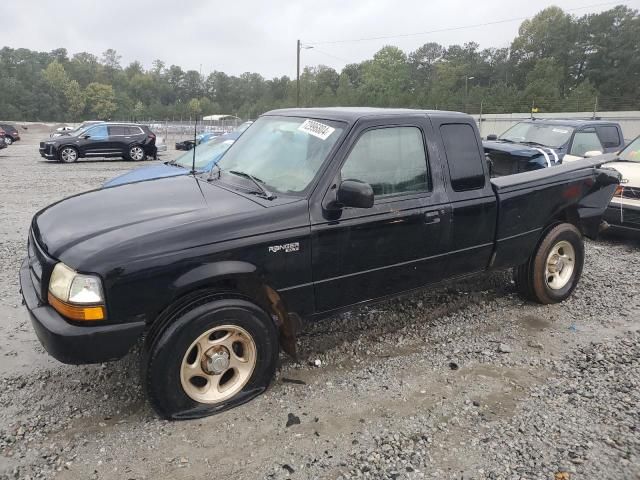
(182, 129)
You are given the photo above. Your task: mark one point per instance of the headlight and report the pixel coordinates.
(76, 296)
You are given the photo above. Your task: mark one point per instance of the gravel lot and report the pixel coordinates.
(464, 382)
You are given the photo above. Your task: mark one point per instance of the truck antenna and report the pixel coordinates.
(193, 162)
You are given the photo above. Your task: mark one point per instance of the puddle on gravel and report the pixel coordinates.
(534, 323)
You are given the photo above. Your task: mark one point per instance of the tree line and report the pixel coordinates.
(557, 62)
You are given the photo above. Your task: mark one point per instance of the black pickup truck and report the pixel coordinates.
(310, 212)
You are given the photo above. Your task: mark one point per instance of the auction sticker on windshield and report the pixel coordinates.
(316, 129)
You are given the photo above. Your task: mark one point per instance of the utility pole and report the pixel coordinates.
(298, 74)
(299, 46)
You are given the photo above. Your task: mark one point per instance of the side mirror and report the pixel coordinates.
(85, 136)
(592, 153)
(492, 136)
(353, 193)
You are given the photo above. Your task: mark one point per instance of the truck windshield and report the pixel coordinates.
(206, 153)
(631, 152)
(285, 153)
(547, 135)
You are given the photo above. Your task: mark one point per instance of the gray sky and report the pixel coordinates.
(259, 36)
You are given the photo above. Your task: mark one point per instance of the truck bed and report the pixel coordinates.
(527, 201)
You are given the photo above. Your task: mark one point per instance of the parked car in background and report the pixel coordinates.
(206, 156)
(10, 132)
(541, 143)
(311, 212)
(205, 137)
(623, 213)
(71, 130)
(189, 143)
(107, 139)
(3, 144)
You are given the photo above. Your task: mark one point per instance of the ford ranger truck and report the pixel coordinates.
(311, 212)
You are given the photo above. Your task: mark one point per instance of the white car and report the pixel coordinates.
(623, 213)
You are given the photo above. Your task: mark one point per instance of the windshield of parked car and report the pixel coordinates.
(631, 153)
(542, 134)
(205, 153)
(283, 153)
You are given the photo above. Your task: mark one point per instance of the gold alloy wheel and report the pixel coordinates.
(218, 364)
(560, 265)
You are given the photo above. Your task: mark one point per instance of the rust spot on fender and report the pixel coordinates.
(287, 324)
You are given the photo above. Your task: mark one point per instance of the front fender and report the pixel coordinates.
(245, 279)
(203, 275)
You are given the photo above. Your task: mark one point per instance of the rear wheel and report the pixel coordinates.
(68, 155)
(136, 153)
(213, 357)
(552, 273)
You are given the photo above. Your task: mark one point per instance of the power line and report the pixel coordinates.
(450, 29)
(331, 55)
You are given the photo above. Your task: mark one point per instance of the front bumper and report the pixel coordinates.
(75, 344)
(48, 152)
(623, 217)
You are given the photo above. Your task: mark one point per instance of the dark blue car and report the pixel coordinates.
(206, 156)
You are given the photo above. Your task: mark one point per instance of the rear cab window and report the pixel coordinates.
(466, 169)
(609, 136)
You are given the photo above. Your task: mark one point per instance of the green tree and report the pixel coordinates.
(75, 100)
(101, 100)
(385, 78)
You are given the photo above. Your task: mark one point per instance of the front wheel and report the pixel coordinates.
(68, 155)
(552, 273)
(213, 357)
(136, 153)
(8, 140)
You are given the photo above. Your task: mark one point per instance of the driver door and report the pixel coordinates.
(398, 244)
(97, 142)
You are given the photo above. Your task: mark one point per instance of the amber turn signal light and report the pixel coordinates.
(75, 312)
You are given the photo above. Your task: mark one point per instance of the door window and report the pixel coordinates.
(463, 156)
(117, 130)
(134, 130)
(584, 142)
(392, 160)
(99, 132)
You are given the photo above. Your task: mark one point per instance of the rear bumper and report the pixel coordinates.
(74, 344)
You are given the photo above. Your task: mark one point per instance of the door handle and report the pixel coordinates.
(432, 217)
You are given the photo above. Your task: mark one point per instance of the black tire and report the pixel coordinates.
(8, 140)
(166, 349)
(136, 153)
(533, 280)
(68, 154)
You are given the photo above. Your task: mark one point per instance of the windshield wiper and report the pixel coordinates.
(267, 194)
(535, 143)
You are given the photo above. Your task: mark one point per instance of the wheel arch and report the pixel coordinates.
(228, 279)
(71, 145)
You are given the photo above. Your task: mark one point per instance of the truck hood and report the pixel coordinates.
(146, 173)
(517, 149)
(112, 222)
